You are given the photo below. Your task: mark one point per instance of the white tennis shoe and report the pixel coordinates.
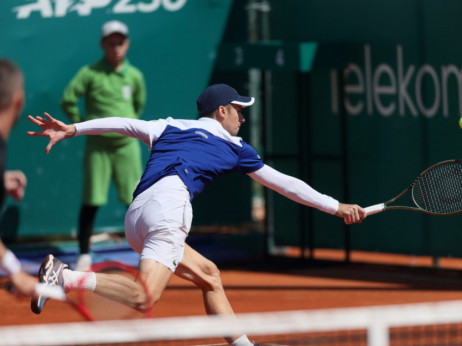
(50, 274)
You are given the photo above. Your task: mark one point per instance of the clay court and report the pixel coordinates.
(283, 283)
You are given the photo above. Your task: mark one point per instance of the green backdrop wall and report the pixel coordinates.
(382, 102)
(174, 42)
(379, 104)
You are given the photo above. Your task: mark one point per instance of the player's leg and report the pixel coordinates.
(205, 274)
(156, 225)
(128, 292)
(116, 287)
(155, 268)
(154, 274)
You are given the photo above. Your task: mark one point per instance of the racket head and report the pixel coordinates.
(97, 308)
(438, 190)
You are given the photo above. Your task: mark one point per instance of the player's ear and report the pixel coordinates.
(220, 113)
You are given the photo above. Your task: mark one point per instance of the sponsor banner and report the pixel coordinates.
(388, 84)
(61, 8)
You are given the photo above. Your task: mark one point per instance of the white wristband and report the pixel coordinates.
(10, 264)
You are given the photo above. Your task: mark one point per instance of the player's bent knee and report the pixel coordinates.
(144, 303)
(151, 300)
(204, 274)
(140, 302)
(212, 278)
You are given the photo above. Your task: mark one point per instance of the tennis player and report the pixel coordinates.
(186, 156)
(14, 182)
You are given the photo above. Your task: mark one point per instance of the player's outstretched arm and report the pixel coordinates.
(52, 128)
(300, 192)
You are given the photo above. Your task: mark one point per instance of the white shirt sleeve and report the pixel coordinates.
(146, 131)
(295, 189)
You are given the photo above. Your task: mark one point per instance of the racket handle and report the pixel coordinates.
(374, 209)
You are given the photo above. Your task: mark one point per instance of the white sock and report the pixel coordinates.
(242, 341)
(75, 279)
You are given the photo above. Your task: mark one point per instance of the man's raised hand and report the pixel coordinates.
(52, 128)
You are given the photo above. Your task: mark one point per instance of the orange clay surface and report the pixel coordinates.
(289, 284)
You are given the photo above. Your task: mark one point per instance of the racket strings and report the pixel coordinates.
(439, 190)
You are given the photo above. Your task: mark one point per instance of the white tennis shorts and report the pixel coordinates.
(158, 222)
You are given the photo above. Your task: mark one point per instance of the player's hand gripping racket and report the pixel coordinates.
(436, 191)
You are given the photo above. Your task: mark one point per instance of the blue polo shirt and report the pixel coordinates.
(198, 151)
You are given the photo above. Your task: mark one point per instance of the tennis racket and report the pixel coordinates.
(93, 307)
(436, 191)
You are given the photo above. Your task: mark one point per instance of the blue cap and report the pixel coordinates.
(218, 95)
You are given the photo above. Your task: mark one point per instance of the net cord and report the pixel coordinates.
(377, 320)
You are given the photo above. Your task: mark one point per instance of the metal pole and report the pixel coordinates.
(258, 24)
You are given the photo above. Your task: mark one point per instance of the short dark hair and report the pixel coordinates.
(211, 114)
(207, 115)
(11, 80)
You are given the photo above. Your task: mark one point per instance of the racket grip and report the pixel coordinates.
(374, 209)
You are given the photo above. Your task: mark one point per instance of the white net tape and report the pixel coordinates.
(376, 320)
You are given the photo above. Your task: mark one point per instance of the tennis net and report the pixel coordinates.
(437, 323)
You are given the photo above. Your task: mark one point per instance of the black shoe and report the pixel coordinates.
(50, 274)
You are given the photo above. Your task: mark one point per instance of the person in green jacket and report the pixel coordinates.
(111, 87)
